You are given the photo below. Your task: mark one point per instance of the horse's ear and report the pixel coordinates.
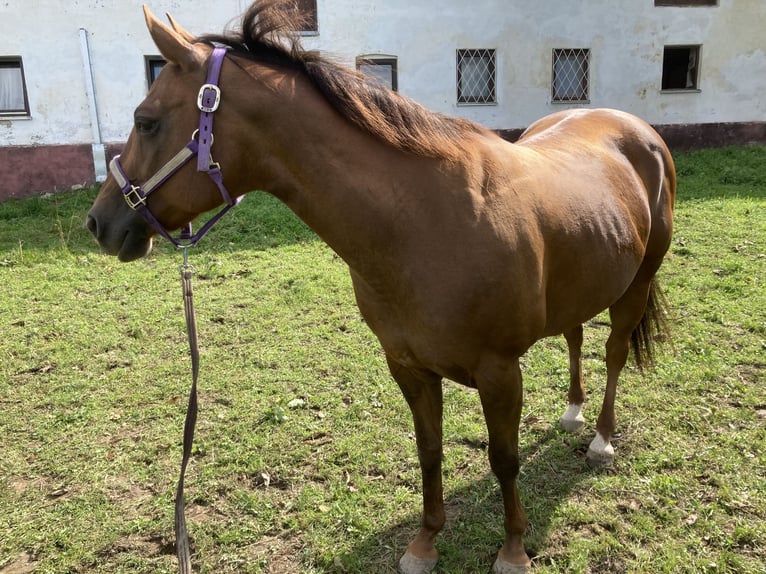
(180, 30)
(174, 47)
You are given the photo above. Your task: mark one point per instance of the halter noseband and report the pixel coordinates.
(208, 100)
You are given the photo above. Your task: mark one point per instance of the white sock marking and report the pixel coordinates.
(573, 414)
(601, 447)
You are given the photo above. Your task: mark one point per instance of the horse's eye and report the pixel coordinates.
(146, 126)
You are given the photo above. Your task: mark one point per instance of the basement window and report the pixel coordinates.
(13, 88)
(680, 69)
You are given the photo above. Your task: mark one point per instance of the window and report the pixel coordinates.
(680, 65)
(154, 65)
(571, 71)
(686, 2)
(476, 77)
(307, 10)
(13, 88)
(380, 69)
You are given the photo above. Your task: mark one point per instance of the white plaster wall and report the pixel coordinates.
(45, 33)
(626, 38)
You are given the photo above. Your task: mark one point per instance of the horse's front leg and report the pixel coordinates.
(423, 391)
(500, 390)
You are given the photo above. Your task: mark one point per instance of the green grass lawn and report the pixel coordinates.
(305, 461)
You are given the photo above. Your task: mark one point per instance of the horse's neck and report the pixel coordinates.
(352, 189)
(355, 198)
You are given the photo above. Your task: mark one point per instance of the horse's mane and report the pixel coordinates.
(267, 35)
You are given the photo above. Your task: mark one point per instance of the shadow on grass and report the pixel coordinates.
(551, 469)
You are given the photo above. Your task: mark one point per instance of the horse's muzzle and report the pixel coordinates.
(127, 242)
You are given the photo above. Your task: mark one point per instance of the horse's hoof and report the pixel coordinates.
(410, 564)
(572, 426)
(572, 420)
(503, 567)
(600, 453)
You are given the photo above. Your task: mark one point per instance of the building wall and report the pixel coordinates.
(626, 39)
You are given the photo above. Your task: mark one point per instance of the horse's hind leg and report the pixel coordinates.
(626, 314)
(573, 420)
(423, 391)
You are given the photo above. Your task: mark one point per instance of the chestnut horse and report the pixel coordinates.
(463, 249)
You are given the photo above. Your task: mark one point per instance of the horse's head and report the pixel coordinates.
(164, 124)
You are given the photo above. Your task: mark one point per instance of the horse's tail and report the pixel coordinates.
(653, 328)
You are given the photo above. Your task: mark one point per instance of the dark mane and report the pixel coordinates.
(267, 36)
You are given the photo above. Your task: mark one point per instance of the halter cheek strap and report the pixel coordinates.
(208, 100)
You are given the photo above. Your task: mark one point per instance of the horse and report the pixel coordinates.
(464, 249)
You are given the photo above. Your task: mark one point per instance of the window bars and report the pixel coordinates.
(571, 72)
(476, 76)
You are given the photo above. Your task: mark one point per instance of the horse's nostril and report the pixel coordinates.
(92, 225)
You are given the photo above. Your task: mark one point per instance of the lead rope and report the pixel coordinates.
(182, 538)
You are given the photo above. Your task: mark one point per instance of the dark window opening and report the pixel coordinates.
(680, 65)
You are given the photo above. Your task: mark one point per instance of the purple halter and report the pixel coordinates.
(208, 100)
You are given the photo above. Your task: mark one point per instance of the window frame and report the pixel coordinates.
(380, 60)
(585, 84)
(16, 62)
(697, 48)
(461, 55)
(686, 3)
(309, 12)
(149, 66)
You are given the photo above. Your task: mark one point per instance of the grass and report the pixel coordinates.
(305, 459)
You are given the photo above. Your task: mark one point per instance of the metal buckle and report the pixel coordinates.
(201, 98)
(136, 192)
(195, 136)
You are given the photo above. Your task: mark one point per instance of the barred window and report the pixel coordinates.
(571, 72)
(476, 77)
(13, 88)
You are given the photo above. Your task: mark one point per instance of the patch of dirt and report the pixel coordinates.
(148, 546)
(52, 491)
(24, 564)
(751, 373)
(129, 497)
(280, 555)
